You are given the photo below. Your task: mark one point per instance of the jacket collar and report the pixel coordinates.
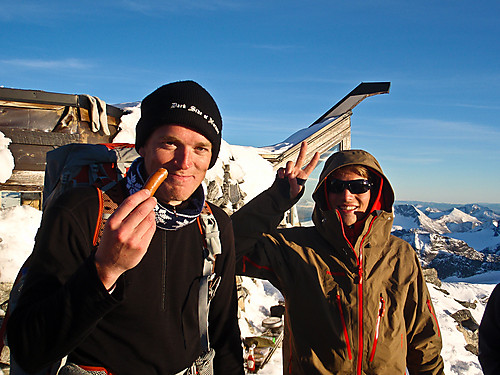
(329, 225)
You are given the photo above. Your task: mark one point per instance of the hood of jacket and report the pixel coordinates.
(382, 194)
(382, 189)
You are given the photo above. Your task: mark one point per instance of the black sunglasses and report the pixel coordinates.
(354, 186)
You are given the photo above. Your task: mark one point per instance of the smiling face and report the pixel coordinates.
(186, 155)
(352, 207)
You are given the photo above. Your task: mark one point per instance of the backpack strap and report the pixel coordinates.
(209, 282)
(109, 200)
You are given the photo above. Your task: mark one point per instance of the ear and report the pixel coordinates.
(141, 151)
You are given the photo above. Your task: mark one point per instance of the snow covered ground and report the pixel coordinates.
(457, 359)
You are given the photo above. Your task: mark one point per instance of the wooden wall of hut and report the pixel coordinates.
(39, 121)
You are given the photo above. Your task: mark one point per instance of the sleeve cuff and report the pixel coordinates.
(280, 191)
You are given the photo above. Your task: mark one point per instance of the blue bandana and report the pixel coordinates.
(167, 217)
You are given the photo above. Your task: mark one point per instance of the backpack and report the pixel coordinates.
(103, 166)
(83, 164)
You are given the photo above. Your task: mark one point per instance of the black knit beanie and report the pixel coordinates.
(180, 103)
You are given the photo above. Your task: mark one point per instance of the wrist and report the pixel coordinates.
(108, 279)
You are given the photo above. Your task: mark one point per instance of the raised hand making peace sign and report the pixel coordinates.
(297, 175)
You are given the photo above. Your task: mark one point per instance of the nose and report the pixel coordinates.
(346, 194)
(183, 158)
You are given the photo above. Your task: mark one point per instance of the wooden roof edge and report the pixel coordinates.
(338, 126)
(52, 98)
(356, 96)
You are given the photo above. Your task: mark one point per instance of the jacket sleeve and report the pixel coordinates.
(423, 333)
(257, 239)
(62, 298)
(224, 331)
(489, 335)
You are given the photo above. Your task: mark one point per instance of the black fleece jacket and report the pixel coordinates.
(148, 325)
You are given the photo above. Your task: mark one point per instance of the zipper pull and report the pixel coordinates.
(359, 277)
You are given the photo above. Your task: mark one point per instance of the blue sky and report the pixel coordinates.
(275, 66)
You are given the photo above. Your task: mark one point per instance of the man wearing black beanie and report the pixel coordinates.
(184, 103)
(144, 301)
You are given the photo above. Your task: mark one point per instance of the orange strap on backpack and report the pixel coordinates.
(98, 370)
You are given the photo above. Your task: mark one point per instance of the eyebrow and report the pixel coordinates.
(204, 144)
(171, 138)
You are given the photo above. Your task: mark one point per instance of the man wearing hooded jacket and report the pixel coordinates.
(356, 300)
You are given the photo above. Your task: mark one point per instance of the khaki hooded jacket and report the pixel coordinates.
(360, 308)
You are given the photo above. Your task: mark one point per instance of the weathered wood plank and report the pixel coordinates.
(38, 96)
(24, 181)
(29, 157)
(29, 118)
(25, 106)
(33, 137)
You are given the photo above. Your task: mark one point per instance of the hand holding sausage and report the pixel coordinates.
(126, 237)
(128, 232)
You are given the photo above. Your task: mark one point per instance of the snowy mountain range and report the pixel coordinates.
(461, 241)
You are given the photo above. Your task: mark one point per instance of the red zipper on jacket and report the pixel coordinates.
(346, 336)
(360, 312)
(360, 301)
(381, 310)
(360, 293)
(429, 305)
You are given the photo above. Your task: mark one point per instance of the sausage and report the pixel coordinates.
(155, 180)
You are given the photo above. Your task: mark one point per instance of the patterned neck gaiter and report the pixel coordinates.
(167, 217)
